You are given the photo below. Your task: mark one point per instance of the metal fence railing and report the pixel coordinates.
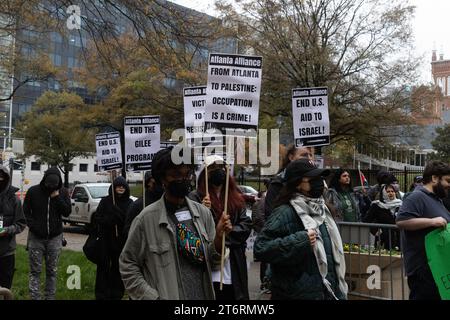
(405, 178)
(374, 264)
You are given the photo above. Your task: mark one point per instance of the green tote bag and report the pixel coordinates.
(437, 247)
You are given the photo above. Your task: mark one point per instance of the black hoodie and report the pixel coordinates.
(13, 218)
(43, 213)
(110, 218)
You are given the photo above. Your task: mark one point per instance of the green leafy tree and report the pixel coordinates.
(441, 144)
(54, 133)
(356, 48)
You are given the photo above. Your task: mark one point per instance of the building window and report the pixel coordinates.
(448, 86)
(17, 165)
(35, 166)
(95, 167)
(56, 59)
(77, 41)
(55, 37)
(73, 62)
(83, 167)
(440, 82)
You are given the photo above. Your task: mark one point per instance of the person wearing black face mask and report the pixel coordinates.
(109, 220)
(300, 232)
(44, 206)
(181, 241)
(422, 212)
(235, 279)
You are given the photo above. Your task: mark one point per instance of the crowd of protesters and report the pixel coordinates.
(168, 244)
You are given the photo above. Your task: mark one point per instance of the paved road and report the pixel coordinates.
(76, 237)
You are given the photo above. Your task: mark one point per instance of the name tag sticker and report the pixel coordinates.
(183, 215)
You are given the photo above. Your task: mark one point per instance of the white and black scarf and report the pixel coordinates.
(313, 213)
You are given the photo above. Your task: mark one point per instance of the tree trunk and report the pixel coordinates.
(66, 167)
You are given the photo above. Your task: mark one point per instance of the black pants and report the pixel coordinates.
(7, 271)
(108, 283)
(227, 292)
(422, 286)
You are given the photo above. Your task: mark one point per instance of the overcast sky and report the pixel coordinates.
(431, 26)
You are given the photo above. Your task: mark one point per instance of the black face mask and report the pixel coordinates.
(317, 187)
(179, 188)
(218, 177)
(439, 190)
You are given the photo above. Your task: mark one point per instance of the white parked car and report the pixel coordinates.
(85, 199)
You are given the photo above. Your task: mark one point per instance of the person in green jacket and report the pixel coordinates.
(301, 240)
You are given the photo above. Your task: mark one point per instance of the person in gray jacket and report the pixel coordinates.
(12, 222)
(173, 244)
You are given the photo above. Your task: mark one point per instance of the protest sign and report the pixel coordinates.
(310, 117)
(194, 110)
(109, 152)
(232, 93)
(142, 141)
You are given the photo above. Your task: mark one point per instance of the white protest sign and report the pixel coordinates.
(310, 117)
(232, 93)
(142, 141)
(109, 153)
(194, 110)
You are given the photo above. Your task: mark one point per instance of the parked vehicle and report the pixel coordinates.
(249, 193)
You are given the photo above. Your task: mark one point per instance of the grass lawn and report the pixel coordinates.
(67, 258)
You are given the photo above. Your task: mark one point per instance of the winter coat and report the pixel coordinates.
(13, 217)
(236, 241)
(109, 220)
(332, 197)
(284, 243)
(43, 213)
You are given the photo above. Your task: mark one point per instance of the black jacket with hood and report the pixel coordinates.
(13, 218)
(109, 219)
(43, 213)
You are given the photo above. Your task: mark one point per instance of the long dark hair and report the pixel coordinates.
(287, 192)
(334, 182)
(236, 201)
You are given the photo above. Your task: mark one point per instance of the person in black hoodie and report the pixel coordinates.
(153, 192)
(44, 206)
(12, 222)
(109, 219)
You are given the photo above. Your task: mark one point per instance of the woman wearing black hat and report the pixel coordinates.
(109, 219)
(301, 240)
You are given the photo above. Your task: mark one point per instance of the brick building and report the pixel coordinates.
(440, 70)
